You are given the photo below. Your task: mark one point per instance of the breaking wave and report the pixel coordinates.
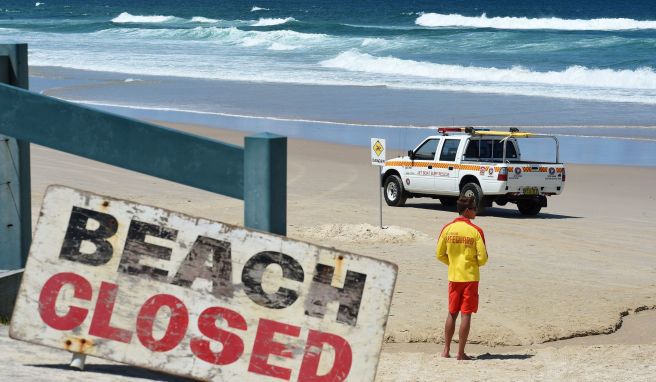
(455, 20)
(641, 78)
(125, 17)
(273, 40)
(256, 8)
(265, 22)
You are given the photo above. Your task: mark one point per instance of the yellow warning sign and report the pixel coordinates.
(378, 148)
(377, 151)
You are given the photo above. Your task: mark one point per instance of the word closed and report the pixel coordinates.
(198, 298)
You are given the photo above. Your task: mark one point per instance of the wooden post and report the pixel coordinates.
(265, 183)
(15, 194)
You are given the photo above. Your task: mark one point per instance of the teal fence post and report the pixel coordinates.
(265, 183)
(15, 193)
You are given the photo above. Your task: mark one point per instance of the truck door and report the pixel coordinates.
(446, 176)
(420, 174)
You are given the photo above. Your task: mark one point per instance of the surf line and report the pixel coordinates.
(360, 124)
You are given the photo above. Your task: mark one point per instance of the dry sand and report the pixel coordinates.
(574, 271)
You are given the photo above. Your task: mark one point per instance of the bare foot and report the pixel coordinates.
(446, 354)
(463, 357)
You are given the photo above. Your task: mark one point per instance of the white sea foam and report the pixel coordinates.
(352, 60)
(200, 19)
(375, 42)
(265, 22)
(125, 17)
(279, 46)
(285, 39)
(39, 4)
(256, 8)
(352, 68)
(275, 40)
(455, 20)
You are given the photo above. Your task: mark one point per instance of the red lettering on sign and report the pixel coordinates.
(176, 329)
(313, 349)
(233, 346)
(265, 345)
(48, 299)
(102, 316)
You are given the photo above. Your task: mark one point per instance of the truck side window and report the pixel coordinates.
(511, 153)
(449, 150)
(427, 150)
(471, 152)
(487, 147)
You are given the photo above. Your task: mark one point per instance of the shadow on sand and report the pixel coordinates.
(121, 370)
(505, 213)
(488, 356)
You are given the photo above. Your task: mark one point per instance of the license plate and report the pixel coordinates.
(530, 191)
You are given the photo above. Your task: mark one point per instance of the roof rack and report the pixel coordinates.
(512, 132)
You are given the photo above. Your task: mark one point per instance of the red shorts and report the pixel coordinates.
(463, 297)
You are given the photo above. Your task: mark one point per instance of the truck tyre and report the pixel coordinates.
(475, 191)
(395, 195)
(529, 207)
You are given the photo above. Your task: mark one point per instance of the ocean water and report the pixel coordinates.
(589, 50)
(585, 70)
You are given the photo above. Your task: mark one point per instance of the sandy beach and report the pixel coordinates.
(554, 290)
(568, 295)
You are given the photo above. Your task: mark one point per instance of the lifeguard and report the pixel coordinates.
(461, 246)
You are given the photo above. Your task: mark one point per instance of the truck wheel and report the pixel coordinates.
(475, 191)
(529, 207)
(395, 195)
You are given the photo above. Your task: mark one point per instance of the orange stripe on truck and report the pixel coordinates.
(460, 166)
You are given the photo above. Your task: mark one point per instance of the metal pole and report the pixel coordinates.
(380, 195)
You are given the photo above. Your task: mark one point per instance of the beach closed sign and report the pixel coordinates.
(198, 298)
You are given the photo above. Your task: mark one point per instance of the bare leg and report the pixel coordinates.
(449, 329)
(463, 334)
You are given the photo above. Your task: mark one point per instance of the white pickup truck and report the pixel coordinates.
(480, 163)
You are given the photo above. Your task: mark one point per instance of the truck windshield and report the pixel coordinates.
(489, 149)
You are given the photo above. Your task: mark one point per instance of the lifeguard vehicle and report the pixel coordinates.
(484, 164)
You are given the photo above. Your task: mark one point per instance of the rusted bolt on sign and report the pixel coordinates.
(198, 298)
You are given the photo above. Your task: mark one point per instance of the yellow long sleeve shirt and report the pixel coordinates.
(461, 246)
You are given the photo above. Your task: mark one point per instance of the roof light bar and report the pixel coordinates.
(466, 130)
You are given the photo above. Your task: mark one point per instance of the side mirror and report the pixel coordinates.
(411, 154)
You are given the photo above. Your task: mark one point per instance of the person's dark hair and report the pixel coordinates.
(465, 202)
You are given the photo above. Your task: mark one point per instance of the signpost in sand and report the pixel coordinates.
(378, 159)
(198, 298)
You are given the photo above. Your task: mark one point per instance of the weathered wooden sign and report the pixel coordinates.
(198, 298)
